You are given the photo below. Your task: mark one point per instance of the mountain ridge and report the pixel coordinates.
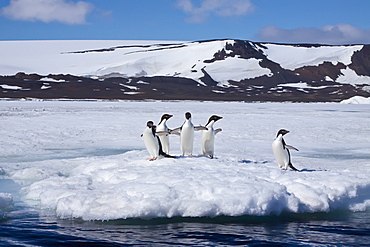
(226, 69)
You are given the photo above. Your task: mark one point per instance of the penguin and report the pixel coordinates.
(162, 126)
(208, 136)
(187, 135)
(152, 141)
(281, 151)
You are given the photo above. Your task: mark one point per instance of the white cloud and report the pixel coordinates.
(214, 7)
(338, 34)
(65, 11)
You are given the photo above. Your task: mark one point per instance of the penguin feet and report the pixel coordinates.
(152, 159)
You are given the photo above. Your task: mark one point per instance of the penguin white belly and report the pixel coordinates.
(187, 138)
(151, 143)
(281, 154)
(208, 140)
(165, 139)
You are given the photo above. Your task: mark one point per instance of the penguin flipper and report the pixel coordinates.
(161, 133)
(200, 127)
(175, 131)
(217, 131)
(291, 147)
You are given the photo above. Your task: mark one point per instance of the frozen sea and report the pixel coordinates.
(75, 173)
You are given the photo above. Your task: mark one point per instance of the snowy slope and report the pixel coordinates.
(87, 160)
(293, 57)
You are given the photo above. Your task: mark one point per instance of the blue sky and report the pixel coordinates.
(283, 21)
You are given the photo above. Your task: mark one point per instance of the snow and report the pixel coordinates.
(8, 87)
(86, 159)
(43, 87)
(356, 100)
(129, 87)
(47, 79)
(301, 85)
(236, 69)
(132, 93)
(57, 57)
(294, 57)
(350, 76)
(328, 78)
(186, 60)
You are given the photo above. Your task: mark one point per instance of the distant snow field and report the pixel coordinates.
(86, 159)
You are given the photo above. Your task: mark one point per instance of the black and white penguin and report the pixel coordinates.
(162, 126)
(152, 141)
(187, 135)
(281, 151)
(208, 136)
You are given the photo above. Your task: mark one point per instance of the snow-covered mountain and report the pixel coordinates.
(203, 70)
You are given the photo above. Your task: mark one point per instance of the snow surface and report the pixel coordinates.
(302, 85)
(47, 79)
(57, 57)
(294, 57)
(86, 159)
(356, 100)
(8, 87)
(350, 76)
(236, 69)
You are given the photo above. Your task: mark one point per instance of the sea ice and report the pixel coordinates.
(86, 159)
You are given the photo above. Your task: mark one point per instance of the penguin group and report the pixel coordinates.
(156, 138)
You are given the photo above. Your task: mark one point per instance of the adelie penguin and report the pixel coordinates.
(187, 135)
(281, 151)
(152, 142)
(208, 137)
(162, 126)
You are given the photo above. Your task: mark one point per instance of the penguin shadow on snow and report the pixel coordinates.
(311, 170)
(253, 162)
(197, 156)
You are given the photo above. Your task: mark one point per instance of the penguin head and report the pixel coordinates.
(282, 132)
(188, 115)
(166, 117)
(150, 124)
(214, 118)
